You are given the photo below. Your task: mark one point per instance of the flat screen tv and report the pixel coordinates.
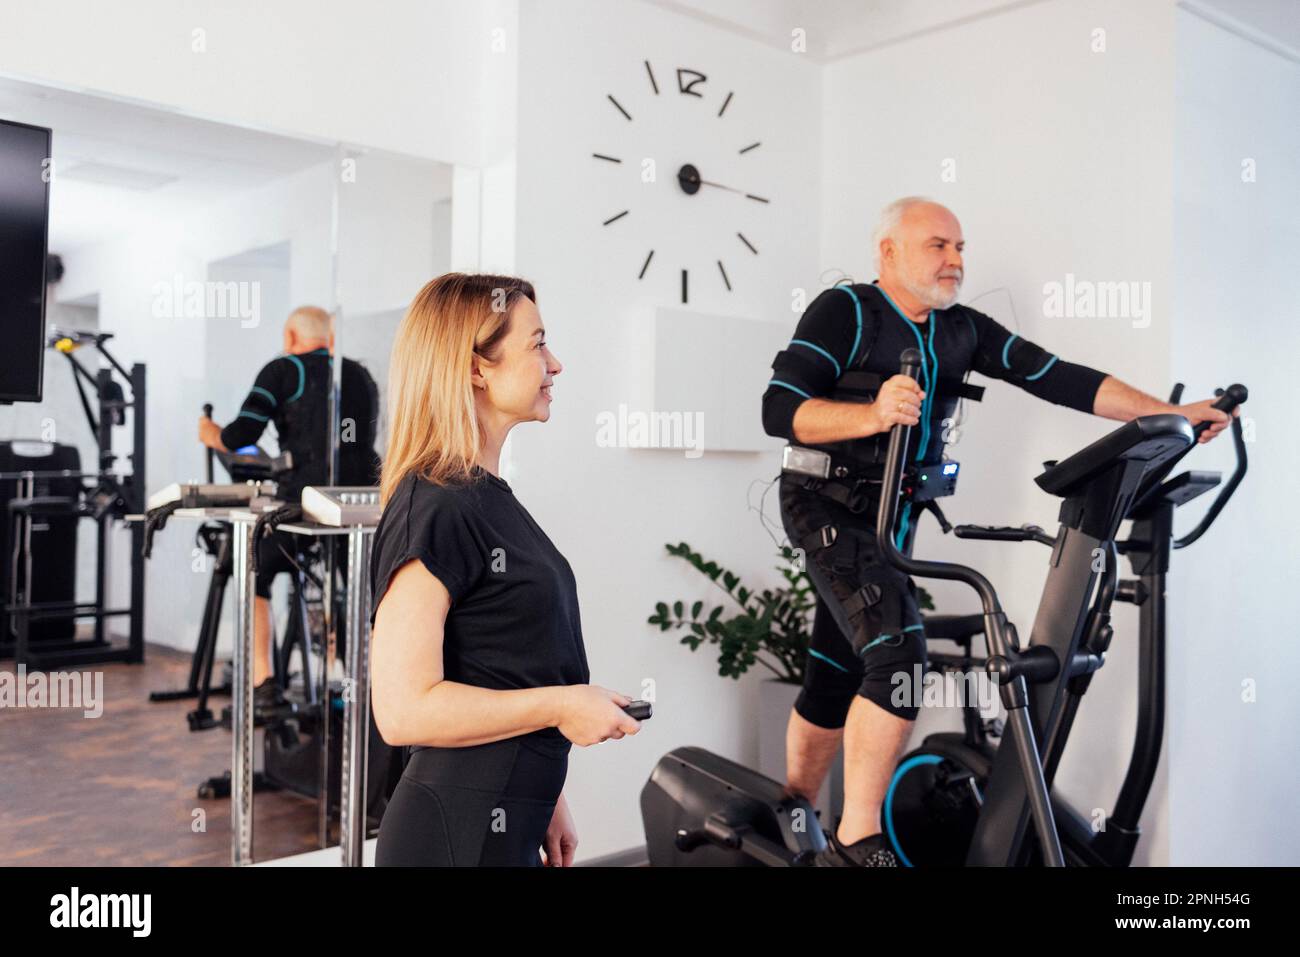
(24, 230)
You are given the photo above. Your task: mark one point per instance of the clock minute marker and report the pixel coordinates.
(684, 287)
(750, 147)
(619, 106)
(610, 159)
(759, 198)
(725, 102)
(646, 264)
(723, 270)
(652, 77)
(747, 243)
(617, 216)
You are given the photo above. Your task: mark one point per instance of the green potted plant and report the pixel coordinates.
(768, 627)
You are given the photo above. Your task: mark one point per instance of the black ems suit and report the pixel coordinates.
(846, 345)
(292, 391)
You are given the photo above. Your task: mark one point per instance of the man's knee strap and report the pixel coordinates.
(884, 661)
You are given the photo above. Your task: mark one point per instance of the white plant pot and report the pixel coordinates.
(776, 700)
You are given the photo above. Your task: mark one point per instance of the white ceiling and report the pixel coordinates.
(1272, 23)
(837, 28)
(118, 165)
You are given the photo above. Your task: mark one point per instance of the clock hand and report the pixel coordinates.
(730, 189)
(688, 177)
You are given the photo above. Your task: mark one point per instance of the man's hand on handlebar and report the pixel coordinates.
(898, 401)
(210, 434)
(1204, 411)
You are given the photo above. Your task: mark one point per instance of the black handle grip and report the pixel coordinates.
(909, 365)
(991, 533)
(910, 362)
(207, 414)
(1229, 398)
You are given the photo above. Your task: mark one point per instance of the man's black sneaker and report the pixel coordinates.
(873, 851)
(267, 695)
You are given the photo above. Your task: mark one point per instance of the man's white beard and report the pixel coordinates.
(935, 295)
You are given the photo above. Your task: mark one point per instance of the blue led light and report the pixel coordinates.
(950, 468)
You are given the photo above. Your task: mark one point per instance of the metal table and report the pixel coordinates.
(241, 519)
(356, 696)
(356, 690)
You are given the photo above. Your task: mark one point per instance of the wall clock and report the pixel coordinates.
(692, 179)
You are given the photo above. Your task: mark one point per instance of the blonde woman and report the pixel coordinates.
(477, 657)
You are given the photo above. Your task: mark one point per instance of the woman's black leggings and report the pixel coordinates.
(486, 805)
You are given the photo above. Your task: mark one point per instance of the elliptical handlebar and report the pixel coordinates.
(1229, 398)
(890, 483)
(207, 414)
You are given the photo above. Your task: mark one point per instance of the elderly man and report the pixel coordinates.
(836, 391)
(292, 391)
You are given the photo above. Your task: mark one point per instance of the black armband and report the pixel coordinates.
(780, 403)
(1066, 383)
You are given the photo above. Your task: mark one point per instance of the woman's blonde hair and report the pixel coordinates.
(432, 429)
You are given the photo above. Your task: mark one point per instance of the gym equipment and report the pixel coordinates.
(42, 552)
(252, 472)
(54, 499)
(701, 809)
(339, 506)
(328, 513)
(939, 790)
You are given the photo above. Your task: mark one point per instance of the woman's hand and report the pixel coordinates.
(590, 714)
(561, 836)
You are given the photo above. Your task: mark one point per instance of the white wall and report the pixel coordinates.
(1050, 179)
(1232, 613)
(610, 511)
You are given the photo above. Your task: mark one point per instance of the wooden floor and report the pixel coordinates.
(121, 789)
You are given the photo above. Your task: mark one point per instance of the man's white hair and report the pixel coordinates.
(890, 217)
(310, 322)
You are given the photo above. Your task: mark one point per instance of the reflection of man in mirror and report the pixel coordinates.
(292, 391)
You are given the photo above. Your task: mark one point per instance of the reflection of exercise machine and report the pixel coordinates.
(252, 474)
(319, 750)
(702, 809)
(45, 505)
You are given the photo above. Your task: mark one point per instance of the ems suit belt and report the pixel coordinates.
(858, 492)
(856, 486)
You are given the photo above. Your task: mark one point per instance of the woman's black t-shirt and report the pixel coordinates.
(514, 618)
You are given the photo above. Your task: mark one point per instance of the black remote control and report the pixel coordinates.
(639, 710)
